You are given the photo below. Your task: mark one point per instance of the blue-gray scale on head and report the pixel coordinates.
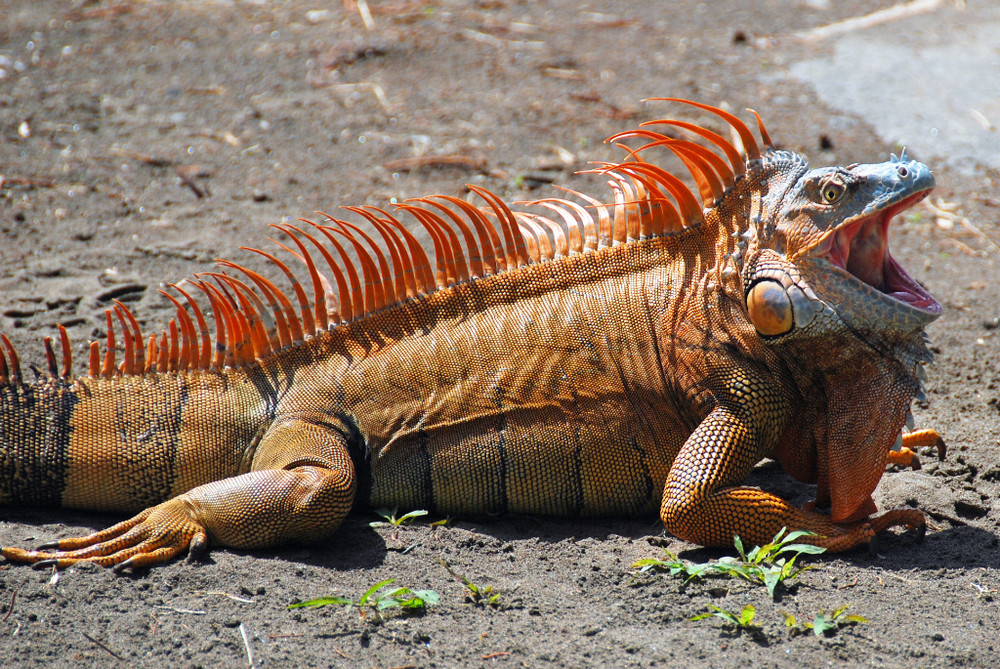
(822, 261)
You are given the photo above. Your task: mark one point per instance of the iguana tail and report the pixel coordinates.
(128, 435)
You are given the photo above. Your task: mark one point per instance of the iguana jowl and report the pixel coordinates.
(640, 354)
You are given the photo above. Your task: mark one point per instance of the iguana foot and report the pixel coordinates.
(152, 537)
(848, 536)
(906, 456)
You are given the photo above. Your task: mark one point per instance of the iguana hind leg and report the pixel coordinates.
(301, 488)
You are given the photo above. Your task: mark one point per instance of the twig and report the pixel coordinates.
(100, 12)
(486, 38)
(10, 609)
(947, 216)
(142, 157)
(449, 160)
(187, 174)
(246, 644)
(894, 13)
(175, 610)
(101, 645)
(965, 248)
(492, 656)
(206, 593)
(366, 15)
(370, 86)
(26, 181)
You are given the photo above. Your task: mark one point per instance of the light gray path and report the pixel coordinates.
(930, 82)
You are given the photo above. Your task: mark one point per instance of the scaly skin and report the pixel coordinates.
(653, 373)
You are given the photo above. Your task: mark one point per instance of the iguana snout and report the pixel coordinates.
(859, 244)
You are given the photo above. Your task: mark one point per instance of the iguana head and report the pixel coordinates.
(822, 249)
(825, 294)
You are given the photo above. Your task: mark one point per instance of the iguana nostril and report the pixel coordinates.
(902, 171)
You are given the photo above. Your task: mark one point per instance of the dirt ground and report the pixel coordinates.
(140, 140)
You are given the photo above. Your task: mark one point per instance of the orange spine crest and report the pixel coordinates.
(357, 295)
(344, 306)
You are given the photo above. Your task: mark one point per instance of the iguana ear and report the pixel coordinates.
(770, 308)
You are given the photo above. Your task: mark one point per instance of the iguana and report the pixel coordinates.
(581, 358)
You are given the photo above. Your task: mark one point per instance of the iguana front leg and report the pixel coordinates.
(702, 500)
(300, 489)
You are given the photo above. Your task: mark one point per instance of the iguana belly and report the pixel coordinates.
(598, 460)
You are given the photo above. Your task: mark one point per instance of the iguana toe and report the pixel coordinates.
(906, 455)
(154, 536)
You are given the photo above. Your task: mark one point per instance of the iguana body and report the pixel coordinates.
(648, 360)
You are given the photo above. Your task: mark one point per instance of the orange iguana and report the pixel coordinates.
(640, 354)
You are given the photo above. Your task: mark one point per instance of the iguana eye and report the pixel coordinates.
(832, 191)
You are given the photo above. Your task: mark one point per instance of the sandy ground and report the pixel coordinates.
(140, 140)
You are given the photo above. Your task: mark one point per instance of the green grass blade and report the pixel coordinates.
(808, 549)
(322, 601)
(375, 588)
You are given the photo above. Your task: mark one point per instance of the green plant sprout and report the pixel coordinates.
(477, 595)
(769, 565)
(389, 516)
(763, 564)
(403, 598)
(824, 623)
(742, 620)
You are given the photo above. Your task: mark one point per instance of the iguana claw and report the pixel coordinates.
(43, 564)
(874, 545)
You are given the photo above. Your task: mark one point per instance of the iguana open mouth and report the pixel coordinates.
(860, 247)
